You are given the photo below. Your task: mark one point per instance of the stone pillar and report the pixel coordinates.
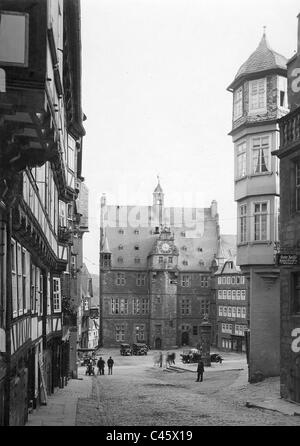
(204, 342)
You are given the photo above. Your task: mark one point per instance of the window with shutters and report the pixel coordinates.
(258, 95)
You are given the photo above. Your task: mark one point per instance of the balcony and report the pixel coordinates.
(289, 132)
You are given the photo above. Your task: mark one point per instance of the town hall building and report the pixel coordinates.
(156, 264)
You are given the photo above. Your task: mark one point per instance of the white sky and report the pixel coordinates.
(155, 74)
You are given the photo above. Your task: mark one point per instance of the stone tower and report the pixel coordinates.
(163, 273)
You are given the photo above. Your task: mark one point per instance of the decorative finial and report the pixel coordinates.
(158, 179)
(264, 27)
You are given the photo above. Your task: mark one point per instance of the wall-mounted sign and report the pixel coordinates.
(296, 342)
(14, 38)
(294, 83)
(287, 259)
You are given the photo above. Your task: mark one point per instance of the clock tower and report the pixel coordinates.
(163, 272)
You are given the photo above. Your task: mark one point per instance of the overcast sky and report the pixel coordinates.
(155, 74)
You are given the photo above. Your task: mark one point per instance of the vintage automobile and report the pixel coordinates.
(139, 349)
(215, 357)
(125, 350)
(190, 356)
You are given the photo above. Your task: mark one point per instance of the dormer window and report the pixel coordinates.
(200, 249)
(137, 260)
(238, 103)
(185, 262)
(182, 234)
(136, 231)
(136, 247)
(121, 231)
(257, 95)
(120, 247)
(184, 248)
(120, 259)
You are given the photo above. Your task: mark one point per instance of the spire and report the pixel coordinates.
(264, 28)
(158, 194)
(263, 59)
(105, 246)
(158, 188)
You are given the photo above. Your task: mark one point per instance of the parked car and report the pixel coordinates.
(125, 350)
(139, 349)
(191, 355)
(215, 357)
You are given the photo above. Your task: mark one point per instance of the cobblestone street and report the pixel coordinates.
(139, 393)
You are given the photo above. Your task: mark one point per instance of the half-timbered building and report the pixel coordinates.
(40, 177)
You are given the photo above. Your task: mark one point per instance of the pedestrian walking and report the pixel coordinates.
(160, 359)
(200, 370)
(101, 365)
(110, 363)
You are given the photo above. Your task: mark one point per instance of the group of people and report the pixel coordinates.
(101, 365)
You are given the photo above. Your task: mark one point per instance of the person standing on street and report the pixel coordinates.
(110, 363)
(101, 365)
(200, 370)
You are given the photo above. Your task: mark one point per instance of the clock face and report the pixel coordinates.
(165, 247)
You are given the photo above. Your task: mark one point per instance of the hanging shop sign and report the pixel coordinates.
(287, 259)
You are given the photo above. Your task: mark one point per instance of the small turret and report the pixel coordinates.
(214, 208)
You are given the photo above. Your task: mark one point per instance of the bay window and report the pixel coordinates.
(257, 95)
(260, 154)
(241, 160)
(260, 221)
(238, 103)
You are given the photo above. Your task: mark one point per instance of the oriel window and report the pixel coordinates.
(260, 221)
(258, 95)
(238, 103)
(241, 160)
(260, 154)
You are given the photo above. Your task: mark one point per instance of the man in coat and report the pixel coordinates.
(200, 370)
(110, 363)
(101, 365)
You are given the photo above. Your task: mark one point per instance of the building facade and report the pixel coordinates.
(288, 258)
(40, 162)
(259, 100)
(89, 314)
(232, 307)
(155, 272)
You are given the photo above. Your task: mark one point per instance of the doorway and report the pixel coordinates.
(157, 344)
(185, 339)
